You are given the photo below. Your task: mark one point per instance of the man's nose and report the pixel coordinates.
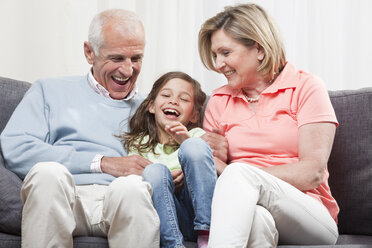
(126, 68)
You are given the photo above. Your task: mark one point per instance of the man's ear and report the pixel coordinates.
(89, 53)
(260, 52)
(151, 107)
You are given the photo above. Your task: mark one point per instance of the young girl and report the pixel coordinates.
(165, 131)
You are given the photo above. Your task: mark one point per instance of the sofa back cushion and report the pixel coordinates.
(11, 92)
(350, 163)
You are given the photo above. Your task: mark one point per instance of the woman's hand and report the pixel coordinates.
(178, 131)
(177, 176)
(218, 144)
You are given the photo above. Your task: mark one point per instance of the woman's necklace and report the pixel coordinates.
(251, 99)
(255, 99)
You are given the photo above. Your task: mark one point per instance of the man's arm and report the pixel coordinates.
(28, 137)
(24, 140)
(124, 166)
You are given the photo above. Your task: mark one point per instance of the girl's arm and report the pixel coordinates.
(178, 131)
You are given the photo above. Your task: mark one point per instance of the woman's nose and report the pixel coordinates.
(220, 63)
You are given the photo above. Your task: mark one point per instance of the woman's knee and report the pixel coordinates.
(263, 230)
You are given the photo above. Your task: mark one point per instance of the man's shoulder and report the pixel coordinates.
(62, 81)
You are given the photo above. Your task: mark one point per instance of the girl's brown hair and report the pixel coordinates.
(143, 122)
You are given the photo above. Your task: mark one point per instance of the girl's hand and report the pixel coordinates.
(177, 179)
(178, 131)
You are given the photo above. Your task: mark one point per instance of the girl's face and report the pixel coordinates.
(237, 62)
(174, 102)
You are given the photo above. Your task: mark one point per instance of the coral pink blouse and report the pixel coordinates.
(269, 136)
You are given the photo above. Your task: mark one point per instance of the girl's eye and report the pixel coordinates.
(185, 99)
(165, 95)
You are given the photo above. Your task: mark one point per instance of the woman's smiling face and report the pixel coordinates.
(237, 62)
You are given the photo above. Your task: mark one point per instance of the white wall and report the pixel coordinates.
(44, 38)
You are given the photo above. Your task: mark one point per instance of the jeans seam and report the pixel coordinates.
(170, 211)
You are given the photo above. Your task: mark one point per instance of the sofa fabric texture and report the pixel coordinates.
(350, 163)
(350, 168)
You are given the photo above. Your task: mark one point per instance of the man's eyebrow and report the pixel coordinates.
(115, 56)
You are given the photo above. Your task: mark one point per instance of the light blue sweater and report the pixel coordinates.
(65, 121)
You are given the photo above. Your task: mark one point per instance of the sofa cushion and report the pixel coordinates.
(11, 92)
(350, 163)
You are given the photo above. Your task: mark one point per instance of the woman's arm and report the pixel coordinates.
(315, 142)
(219, 165)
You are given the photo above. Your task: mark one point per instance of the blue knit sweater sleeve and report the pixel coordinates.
(65, 122)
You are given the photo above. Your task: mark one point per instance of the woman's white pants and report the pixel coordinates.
(252, 208)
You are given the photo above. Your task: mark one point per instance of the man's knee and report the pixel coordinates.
(47, 170)
(48, 174)
(130, 189)
(47, 179)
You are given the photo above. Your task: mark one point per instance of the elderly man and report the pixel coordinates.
(78, 179)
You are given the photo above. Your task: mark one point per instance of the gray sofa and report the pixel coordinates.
(350, 167)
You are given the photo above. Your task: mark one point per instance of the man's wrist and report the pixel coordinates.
(95, 166)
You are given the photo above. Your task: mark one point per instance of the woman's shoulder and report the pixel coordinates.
(224, 90)
(301, 80)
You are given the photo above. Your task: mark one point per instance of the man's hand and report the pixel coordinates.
(124, 166)
(218, 143)
(178, 131)
(177, 179)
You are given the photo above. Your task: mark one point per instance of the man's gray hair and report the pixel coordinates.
(95, 35)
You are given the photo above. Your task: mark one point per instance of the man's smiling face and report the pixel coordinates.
(119, 61)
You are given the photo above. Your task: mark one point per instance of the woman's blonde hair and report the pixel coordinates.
(247, 24)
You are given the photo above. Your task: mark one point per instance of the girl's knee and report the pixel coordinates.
(155, 172)
(194, 147)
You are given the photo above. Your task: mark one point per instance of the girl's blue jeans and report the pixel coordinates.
(182, 214)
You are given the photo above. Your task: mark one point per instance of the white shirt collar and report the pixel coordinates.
(99, 89)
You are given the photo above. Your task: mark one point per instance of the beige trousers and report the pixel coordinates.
(55, 210)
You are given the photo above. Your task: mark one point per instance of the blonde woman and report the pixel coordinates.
(280, 125)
